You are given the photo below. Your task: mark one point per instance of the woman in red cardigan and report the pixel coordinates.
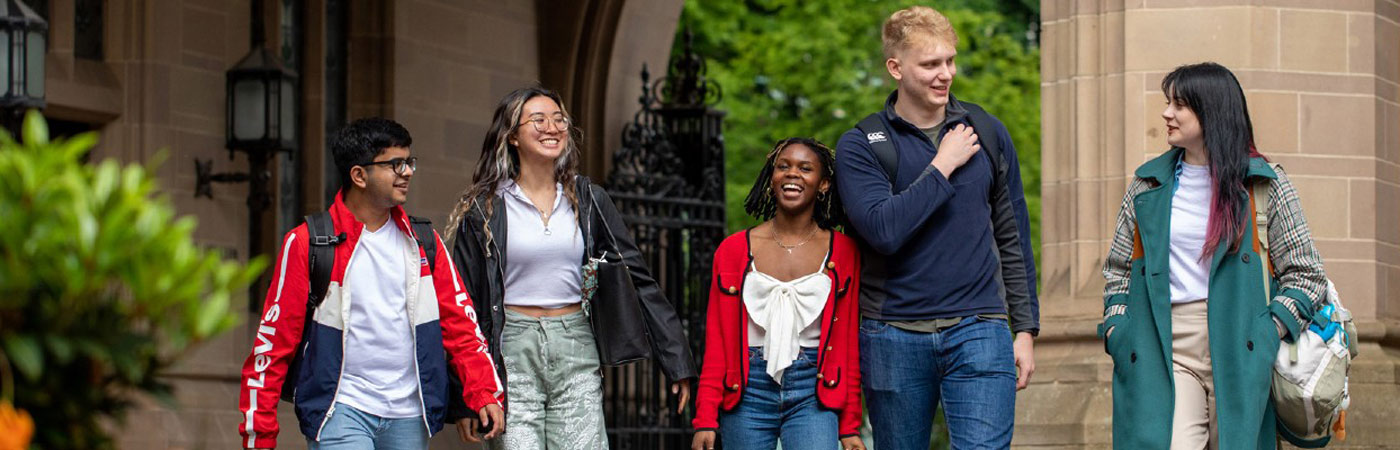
(781, 347)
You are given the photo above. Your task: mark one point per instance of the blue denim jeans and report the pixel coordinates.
(768, 411)
(352, 429)
(968, 368)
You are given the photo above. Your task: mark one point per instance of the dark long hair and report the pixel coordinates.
(1214, 95)
(762, 202)
(500, 160)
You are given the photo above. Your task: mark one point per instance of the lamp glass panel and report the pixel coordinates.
(8, 61)
(34, 66)
(287, 119)
(249, 110)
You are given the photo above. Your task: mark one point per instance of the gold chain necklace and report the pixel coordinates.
(544, 216)
(789, 248)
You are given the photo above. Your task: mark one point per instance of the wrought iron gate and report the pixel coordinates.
(668, 182)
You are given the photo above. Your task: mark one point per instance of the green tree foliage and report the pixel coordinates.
(814, 68)
(101, 286)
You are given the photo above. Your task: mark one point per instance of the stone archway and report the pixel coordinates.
(602, 45)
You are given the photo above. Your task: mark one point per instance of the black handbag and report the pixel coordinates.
(613, 306)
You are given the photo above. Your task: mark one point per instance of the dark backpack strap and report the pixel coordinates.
(423, 231)
(320, 257)
(982, 121)
(878, 135)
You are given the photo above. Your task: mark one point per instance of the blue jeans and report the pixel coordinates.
(968, 368)
(352, 429)
(768, 411)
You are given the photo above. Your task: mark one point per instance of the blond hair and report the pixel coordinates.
(916, 25)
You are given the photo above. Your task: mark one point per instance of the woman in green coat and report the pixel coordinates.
(1186, 319)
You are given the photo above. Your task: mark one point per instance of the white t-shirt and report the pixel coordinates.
(1190, 275)
(380, 375)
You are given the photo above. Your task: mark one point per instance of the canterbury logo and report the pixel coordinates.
(878, 136)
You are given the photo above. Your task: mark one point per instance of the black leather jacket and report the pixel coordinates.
(481, 264)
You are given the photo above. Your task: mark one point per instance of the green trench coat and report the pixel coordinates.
(1243, 338)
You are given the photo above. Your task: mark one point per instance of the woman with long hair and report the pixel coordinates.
(781, 350)
(1192, 333)
(518, 237)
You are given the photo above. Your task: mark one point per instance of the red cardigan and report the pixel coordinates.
(724, 373)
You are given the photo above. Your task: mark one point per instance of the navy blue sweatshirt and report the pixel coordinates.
(929, 246)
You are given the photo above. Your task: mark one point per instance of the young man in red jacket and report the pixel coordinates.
(373, 355)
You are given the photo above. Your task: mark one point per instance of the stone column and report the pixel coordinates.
(1321, 81)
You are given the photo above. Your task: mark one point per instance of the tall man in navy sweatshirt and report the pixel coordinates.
(947, 254)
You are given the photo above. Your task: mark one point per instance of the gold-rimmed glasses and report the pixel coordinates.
(542, 123)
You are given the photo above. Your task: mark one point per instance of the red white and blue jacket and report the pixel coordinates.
(444, 323)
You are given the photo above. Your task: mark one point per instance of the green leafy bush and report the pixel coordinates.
(101, 286)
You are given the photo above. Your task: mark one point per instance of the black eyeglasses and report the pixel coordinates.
(398, 165)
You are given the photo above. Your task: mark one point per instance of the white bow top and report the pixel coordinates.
(783, 316)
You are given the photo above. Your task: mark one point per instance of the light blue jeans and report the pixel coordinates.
(352, 429)
(769, 412)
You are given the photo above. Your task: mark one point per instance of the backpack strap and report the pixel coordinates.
(423, 232)
(877, 133)
(320, 257)
(1261, 198)
(982, 121)
(1260, 201)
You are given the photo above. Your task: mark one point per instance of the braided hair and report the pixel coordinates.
(762, 202)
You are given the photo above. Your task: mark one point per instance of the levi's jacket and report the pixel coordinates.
(439, 308)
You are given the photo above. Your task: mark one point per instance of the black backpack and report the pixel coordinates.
(321, 258)
(881, 142)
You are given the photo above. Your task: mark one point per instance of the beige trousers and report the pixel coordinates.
(1193, 419)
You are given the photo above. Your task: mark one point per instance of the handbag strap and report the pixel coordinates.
(593, 200)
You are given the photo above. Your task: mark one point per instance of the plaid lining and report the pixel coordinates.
(1117, 264)
(1296, 261)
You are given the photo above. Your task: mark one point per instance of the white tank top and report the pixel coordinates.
(784, 315)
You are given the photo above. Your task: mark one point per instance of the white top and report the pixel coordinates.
(543, 264)
(784, 315)
(1190, 275)
(380, 375)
